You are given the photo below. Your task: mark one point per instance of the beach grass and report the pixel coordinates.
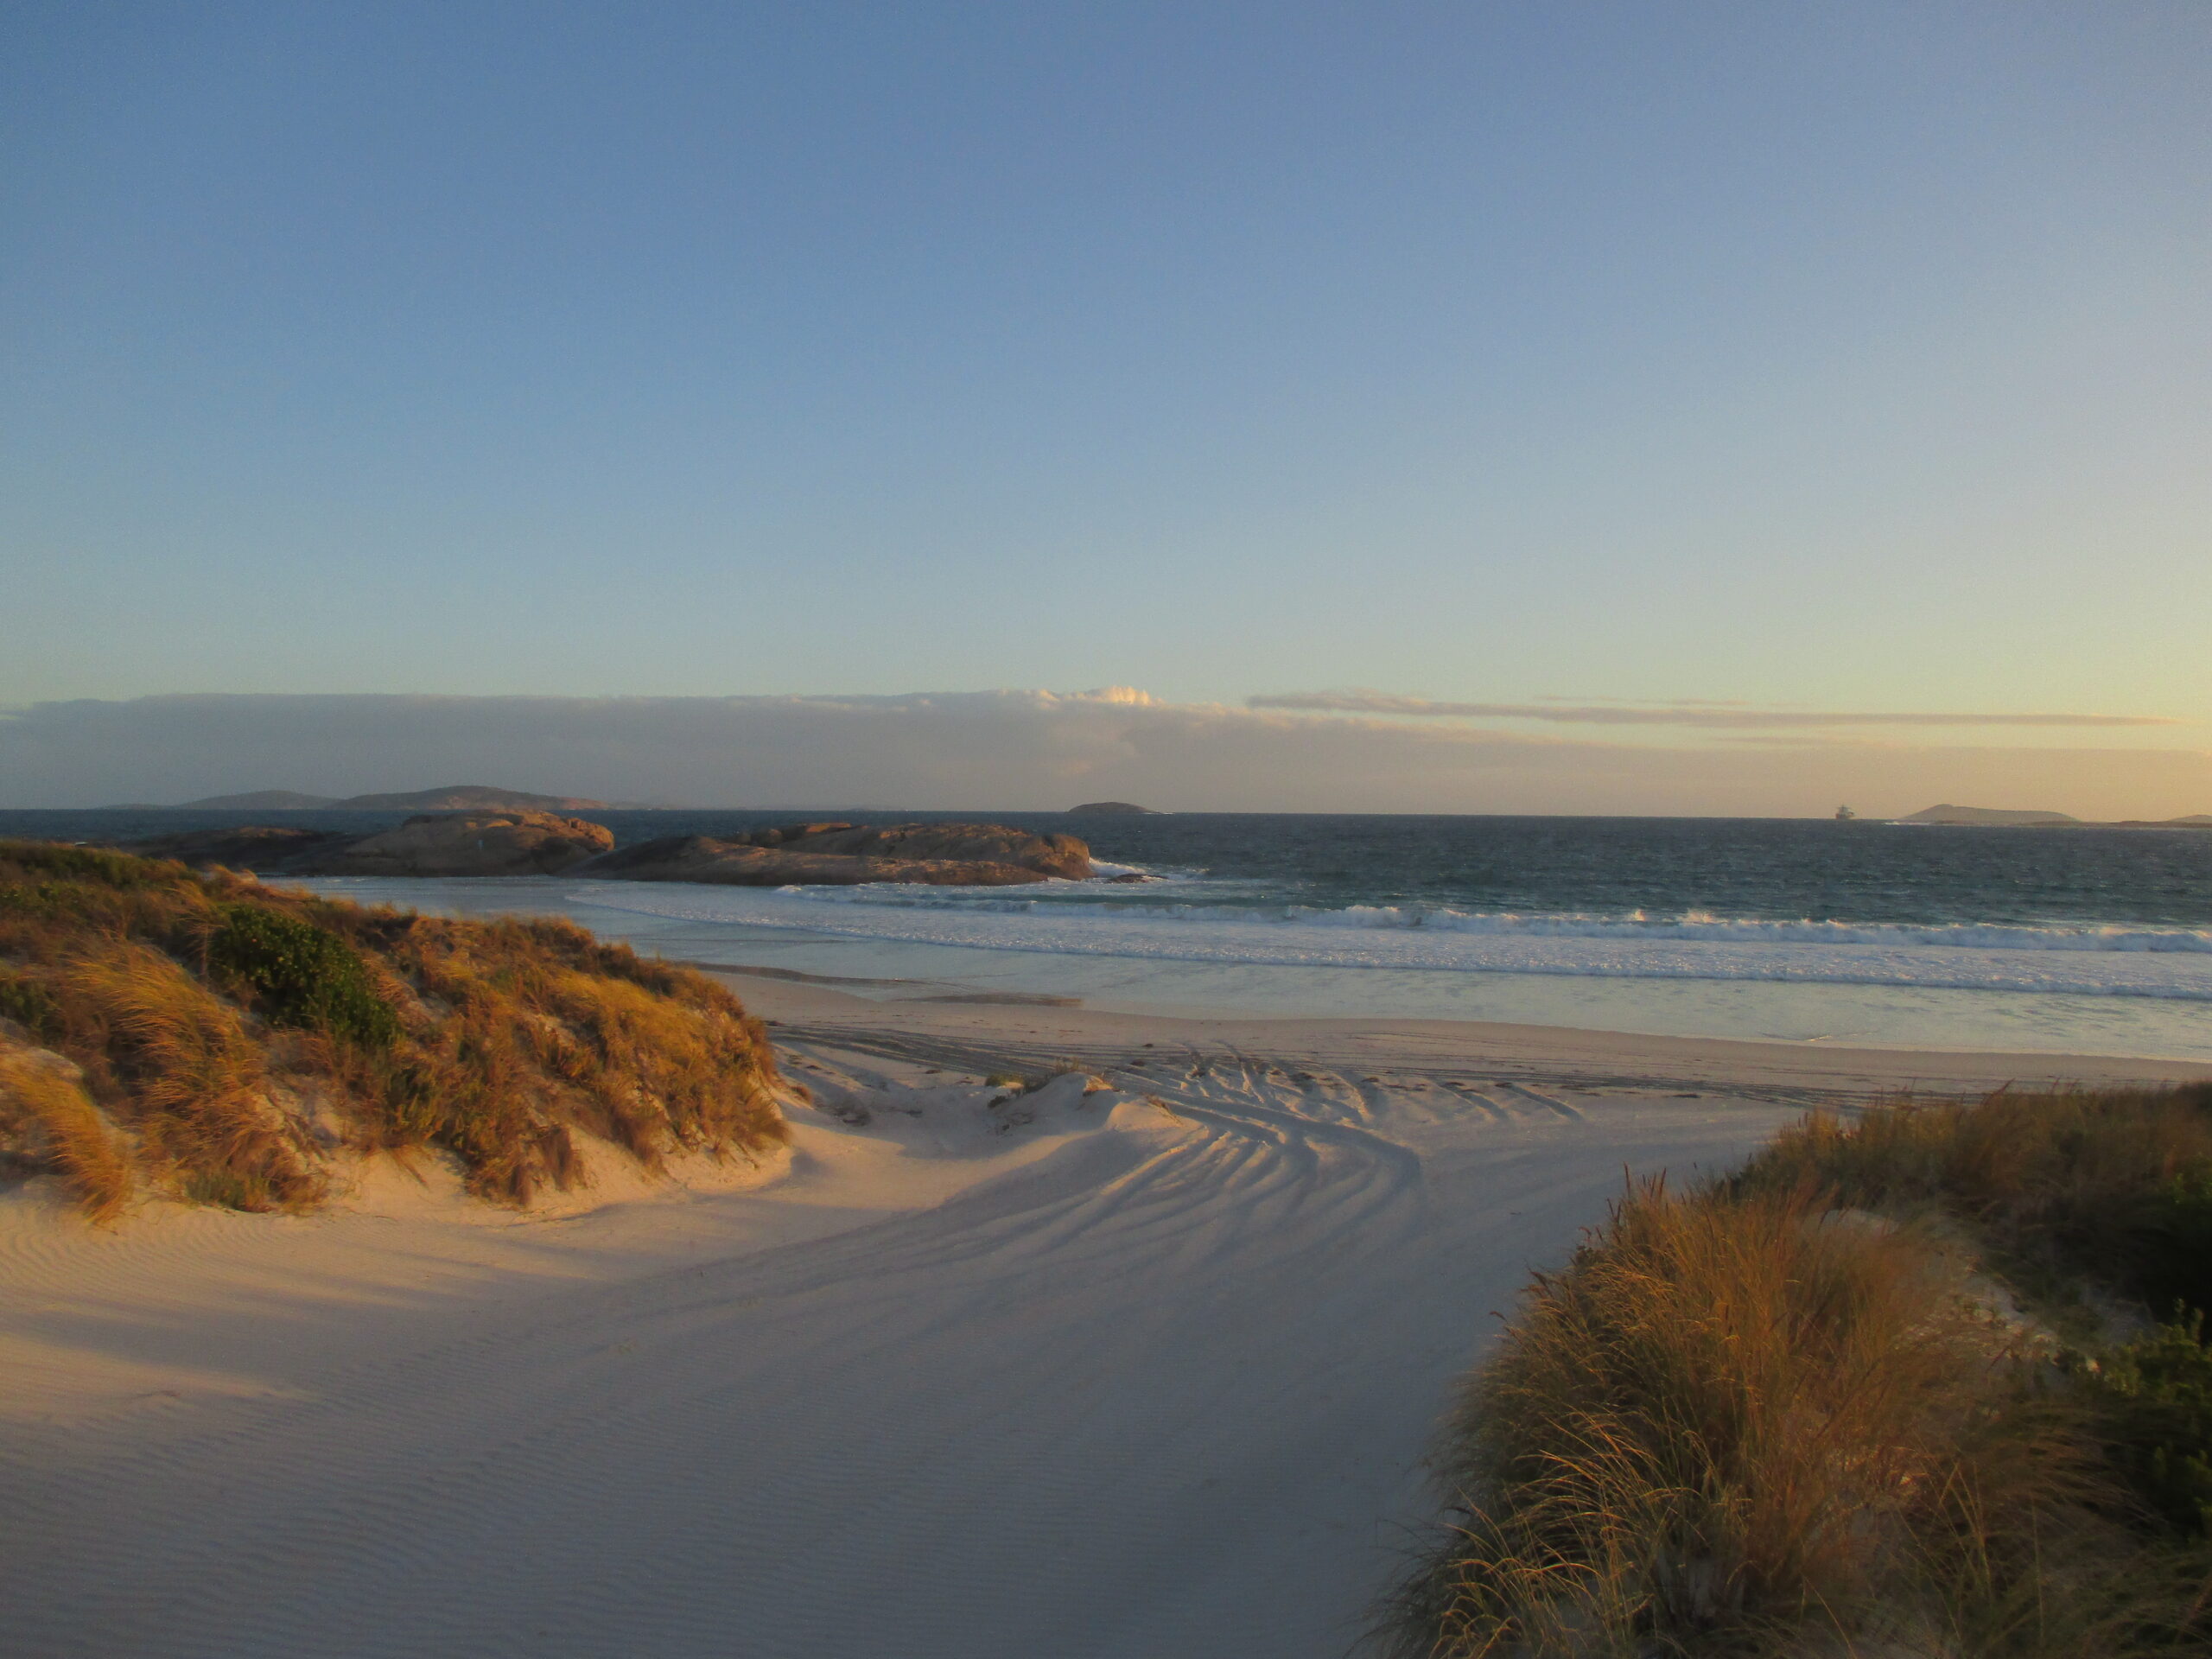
(232, 1041)
(1896, 1388)
(49, 1113)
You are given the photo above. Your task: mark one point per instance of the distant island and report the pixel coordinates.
(1949, 814)
(451, 798)
(1112, 810)
(2007, 816)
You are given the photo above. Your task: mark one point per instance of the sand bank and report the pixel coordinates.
(1144, 1372)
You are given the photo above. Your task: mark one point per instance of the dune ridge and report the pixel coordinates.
(201, 1037)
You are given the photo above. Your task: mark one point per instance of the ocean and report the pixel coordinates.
(2083, 940)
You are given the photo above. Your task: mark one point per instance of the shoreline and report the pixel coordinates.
(817, 1002)
(1937, 1016)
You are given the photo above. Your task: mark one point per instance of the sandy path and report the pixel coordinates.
(1119, 1381)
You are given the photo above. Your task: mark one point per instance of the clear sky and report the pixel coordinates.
(1848, 358)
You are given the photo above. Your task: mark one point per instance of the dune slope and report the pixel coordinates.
(1146, 1372)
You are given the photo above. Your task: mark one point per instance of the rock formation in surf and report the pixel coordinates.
(471, 843)
(845, 855)
(542, 844)
(269, 849)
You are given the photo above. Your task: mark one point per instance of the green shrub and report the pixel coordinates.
(303, 974)
(27, 1002)
(24, 860)
(2153, 1399)
(2169, 1245)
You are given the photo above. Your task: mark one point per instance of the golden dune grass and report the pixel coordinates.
(54, 1123)
(2054, 1186)
(1755, 1424)
(194, 1082)
(246, 1034)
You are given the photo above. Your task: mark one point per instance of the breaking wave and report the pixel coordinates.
(2080, 959)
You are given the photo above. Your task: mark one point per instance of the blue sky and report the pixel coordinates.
(1844, 357)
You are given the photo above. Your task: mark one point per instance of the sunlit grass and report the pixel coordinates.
(1790, 1414)
(233, 1038)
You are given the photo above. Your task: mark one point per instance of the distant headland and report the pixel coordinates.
(1112, 810)
(1946, 813)
(450, 798)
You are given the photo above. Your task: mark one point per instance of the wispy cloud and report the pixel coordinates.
(1014, 750)
(1687, 712)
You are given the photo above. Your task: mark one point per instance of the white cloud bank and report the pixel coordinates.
(1687, 712)
(1011, 750)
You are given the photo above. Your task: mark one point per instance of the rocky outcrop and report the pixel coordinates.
(988, 844)
(469, 844)
(845, 855)
(443, 843)
(258, 847)
(542, 844)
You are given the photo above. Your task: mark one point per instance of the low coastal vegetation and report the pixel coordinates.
(1928, 1382)
(200, 1036)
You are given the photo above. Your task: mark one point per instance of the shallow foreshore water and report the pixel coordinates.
(681, 922)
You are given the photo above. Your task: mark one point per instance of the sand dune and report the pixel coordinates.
(1143, 1372)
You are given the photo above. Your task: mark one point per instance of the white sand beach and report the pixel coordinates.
(1146, 1372)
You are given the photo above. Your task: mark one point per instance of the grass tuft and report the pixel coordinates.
(48, 1121)
(193, 1081)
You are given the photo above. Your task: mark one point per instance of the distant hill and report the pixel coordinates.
(1113, 808)
(265, 800)
(1948, 814)
(456, 797)
(452, 798)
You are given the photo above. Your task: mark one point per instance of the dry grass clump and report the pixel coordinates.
(1790, 1413)
(2098, 1207)
(1762, 1426)
(193, 1081)
(2115, 1185)
(539, 1028)
(47, 1121)
(239, 1037)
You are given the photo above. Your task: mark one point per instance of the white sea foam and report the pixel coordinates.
(2081, 960)
(1692, 925)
